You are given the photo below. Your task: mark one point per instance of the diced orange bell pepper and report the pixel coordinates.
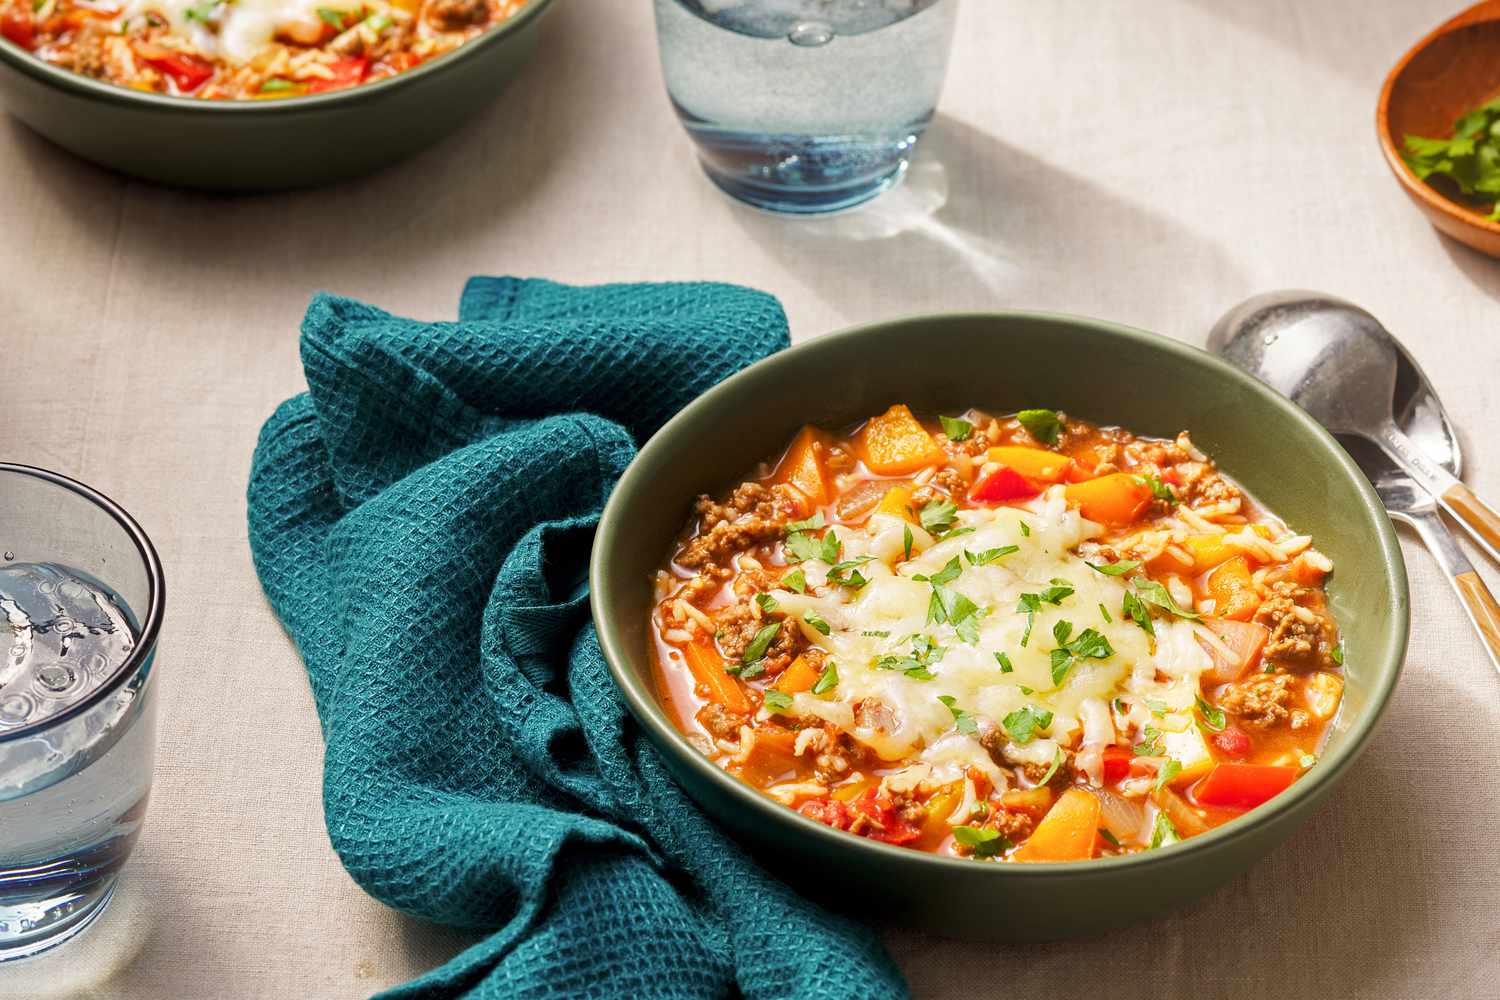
(1035, 801)
(1115, 499)
(1034, 463)
(707, 667)
(897, 503)
(803, 465)
(940, 806)
(1207, 551)
(775, 748)
(894, 443)
(1232, 590)
(1069, 831)
(798, 677)
(1243, 786)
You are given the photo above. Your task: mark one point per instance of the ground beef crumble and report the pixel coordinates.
(948, 481)
(753, 514)
(738, 625)
(1295, 640)
(721, 722)
(1263, 701)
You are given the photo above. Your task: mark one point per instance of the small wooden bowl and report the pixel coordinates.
(1453, 70)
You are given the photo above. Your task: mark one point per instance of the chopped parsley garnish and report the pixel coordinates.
(963, 721)
(1030, 604)
(204, 12)
(813, 523)
(1023, 723)
(276, 84)
(983, 843)
(1026, 690)
(1115, 568)
(1470, 160)
(1135, 610)
(802, 546)
(767, 602)
(1213, 715)
(1166, 773)
(1103, 611)
(1043, 425)
(954, 533)
(1005, 664)
(1164, 832)
(332, 17)
(1025, 529)
(924, 653)
(1338, 653)
(847, 574)
(906, 541)
(877, 633)
(828, 680)
(938, 516)
(778, 701)
(812, 618)
(1111, 838)
(1150, 744)
(756, 650)
(989, 555)
(956, 429)
(1090, 644)
(378, 22)
(1157, 596)
(1157, 706)
(795, 580)
(1159, 490)
(1057, 762)
(948, 605)
(947, 574)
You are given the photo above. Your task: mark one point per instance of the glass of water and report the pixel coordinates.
(81, 596)
(804, 105)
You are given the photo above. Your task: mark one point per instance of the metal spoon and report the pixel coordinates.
(1339, 364)
(1243, 337)
(1409, 503)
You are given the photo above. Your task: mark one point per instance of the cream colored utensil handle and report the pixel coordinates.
(1475, 514)
(1479, 604)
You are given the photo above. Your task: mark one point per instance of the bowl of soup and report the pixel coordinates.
(1009, 625)
(256, 95)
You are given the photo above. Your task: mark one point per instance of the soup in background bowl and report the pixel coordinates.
(979, 368)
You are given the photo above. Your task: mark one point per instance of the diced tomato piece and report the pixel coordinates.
(1002, 485)
(188, 73)
(828, 811)
(347, 71)
(1231, 742)
(1244, 786)
(1117, 763)
(16, 24)
(886, 824)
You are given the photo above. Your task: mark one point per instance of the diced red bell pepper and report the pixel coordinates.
(17, 25)
(1231, 742)
(188, 73)
(1243, 786)
(347, 71)
(1002, 485)
(1117, 763)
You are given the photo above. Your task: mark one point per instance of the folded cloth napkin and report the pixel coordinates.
(421, 521)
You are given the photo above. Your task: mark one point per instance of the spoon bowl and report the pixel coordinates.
(1452, 70)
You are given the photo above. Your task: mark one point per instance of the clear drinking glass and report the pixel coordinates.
(804, 105)
(81, 597)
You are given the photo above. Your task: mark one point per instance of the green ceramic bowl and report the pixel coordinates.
(265, 145)
(1004, 362)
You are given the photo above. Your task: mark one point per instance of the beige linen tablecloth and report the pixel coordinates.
(1150, 163)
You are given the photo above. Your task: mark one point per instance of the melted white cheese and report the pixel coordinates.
(244, 26)
(880, 620)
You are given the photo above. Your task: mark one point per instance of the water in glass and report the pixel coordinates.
(804, 105)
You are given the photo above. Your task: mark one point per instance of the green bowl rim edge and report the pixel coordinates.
(649, 714)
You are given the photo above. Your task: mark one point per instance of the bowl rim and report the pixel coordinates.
(650, 715)
(1418, 189)
(44, 72)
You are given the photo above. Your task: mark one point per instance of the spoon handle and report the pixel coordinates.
(1477, 517)
(1479, 604)
(1474, 514)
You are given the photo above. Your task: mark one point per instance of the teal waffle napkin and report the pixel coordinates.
(421, 521)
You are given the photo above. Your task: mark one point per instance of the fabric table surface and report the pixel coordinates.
(1149, 164)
